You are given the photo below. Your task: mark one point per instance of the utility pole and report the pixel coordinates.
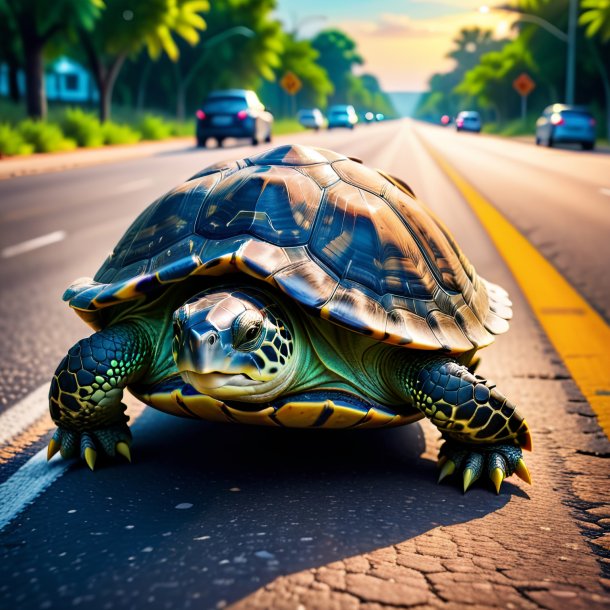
(571, 59)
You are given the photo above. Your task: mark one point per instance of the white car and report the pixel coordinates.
(312, 118)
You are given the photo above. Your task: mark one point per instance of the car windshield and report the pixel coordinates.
(225, 104)
(307, 115)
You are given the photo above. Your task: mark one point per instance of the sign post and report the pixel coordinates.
(523, 85)
(291, 84)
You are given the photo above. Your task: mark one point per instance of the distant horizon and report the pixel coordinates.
(403, 42)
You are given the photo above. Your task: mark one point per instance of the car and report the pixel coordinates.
(233, 113)
(380, 116)
(311, 118)
(368, 117)
(342, 115)
(560, 123)
(468, 120)
(446, 120)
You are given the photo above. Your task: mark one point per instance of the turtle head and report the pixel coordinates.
(229, 344)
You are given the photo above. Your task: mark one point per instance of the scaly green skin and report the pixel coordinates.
(482, 429)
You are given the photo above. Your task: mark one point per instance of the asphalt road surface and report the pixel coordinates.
(212, 516)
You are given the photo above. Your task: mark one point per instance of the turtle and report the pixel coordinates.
(295, 288)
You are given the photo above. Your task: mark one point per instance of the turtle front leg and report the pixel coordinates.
(482, 429)
(86, 392)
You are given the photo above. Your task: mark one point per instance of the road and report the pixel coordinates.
(211, 516)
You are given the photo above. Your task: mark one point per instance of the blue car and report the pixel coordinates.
(561, 123)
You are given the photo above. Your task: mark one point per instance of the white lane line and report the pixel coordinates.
(134, 185)
(24, 413)
(33, 244)
(604, 191)
(27, 483)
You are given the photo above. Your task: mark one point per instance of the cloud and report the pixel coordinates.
(404, 52)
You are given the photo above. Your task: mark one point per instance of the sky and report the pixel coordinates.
(403, 42)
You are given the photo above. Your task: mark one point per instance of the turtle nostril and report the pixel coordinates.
(212, 338)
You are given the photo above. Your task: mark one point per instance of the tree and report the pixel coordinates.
(468, 47)
(38, 23)
(490, 82)
(11, 52)
(300, 58)
(596, 17)
(338, 56)
(126, 26)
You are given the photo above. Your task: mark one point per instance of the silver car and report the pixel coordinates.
(312, 118)
(561, 123)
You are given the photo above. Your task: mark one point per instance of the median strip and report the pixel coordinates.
(579, 334)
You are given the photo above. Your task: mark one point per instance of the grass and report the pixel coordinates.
(69, 127)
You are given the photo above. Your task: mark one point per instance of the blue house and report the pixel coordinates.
(65, 81)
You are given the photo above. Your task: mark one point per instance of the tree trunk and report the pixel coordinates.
(13, 82)
(142, 85)
(605, 81)
(36, 99)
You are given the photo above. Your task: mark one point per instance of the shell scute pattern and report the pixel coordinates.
(273, 203)
(340, 239)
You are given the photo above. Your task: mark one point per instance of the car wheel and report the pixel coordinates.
(201, 142)
(268, 138)
(255, 141)
(220, 142)
(549, 142)
(537, 141)
(588, 145)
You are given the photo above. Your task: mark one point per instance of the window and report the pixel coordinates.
(71, 82)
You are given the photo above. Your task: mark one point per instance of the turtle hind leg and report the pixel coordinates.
(86, 392)
(483, 431)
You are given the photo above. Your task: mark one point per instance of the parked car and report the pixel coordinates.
(380, 116)
(468, 120)
(342, 115)
(368, 117)
(236, 113)
(566, 124)
(312, 118)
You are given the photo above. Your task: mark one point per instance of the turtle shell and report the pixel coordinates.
(348, 243)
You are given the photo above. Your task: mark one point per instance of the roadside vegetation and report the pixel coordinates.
(485, 68)
(154, 63)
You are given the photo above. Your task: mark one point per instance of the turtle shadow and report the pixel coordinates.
(212, 512)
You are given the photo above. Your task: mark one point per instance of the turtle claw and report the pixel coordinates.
(53, 448)
(498, 461)
(522, 472)
(90, 457)
(497, 476)
(123, 449)
(110, 441)
(469, 478)
(448, 469)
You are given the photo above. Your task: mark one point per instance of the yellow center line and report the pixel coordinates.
(579, 334)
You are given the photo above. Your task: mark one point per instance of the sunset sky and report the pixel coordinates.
(403, 42)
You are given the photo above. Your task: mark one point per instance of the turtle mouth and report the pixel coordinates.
(215, 380)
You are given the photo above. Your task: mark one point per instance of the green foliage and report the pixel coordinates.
(114, 133)
(12, 142)
(596, 18)
(338, 56)
(469, 46)
(284, 126)
(182, 18)
(82, 127)
(491, 82)
(154, 128)
(44, 137)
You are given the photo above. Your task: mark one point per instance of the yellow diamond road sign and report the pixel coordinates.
(291, 83)
(523, 84)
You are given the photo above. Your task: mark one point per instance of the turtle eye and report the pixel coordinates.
(247, 330)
